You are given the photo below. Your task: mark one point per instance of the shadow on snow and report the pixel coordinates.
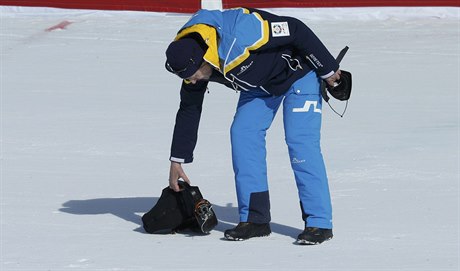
(129, 209)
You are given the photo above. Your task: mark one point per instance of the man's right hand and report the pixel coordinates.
(175, 173)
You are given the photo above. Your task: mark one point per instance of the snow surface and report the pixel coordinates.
(87, 112)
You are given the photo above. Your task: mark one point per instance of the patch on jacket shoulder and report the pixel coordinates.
(280, 29)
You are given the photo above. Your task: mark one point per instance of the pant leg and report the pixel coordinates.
(302, 125)
(255, 112)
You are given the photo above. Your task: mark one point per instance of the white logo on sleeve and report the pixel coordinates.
(307, 106)
(280, 29)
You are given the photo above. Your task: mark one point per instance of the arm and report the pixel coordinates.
(186, 130)
(187, 121)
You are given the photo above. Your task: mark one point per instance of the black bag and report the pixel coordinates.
(175, 211)
(341, 91)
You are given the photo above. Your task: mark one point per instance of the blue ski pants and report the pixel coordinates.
(256, 110)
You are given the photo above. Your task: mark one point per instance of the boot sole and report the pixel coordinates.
(231, 238)
(306, 242)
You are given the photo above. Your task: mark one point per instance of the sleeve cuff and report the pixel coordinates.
(327, 75)
(177, 160)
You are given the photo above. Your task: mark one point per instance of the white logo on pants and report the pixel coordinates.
(307, 106)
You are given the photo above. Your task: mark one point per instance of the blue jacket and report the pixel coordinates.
(249, 49)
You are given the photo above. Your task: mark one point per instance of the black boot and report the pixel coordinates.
(314, 236)
(246, 230)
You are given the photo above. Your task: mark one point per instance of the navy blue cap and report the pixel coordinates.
(184, 57)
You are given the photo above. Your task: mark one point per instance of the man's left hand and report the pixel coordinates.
(333, 78)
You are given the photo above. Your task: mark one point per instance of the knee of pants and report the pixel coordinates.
(243, 131)
(304, 137)
(302, 130)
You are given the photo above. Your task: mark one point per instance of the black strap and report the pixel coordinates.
(342, 54)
